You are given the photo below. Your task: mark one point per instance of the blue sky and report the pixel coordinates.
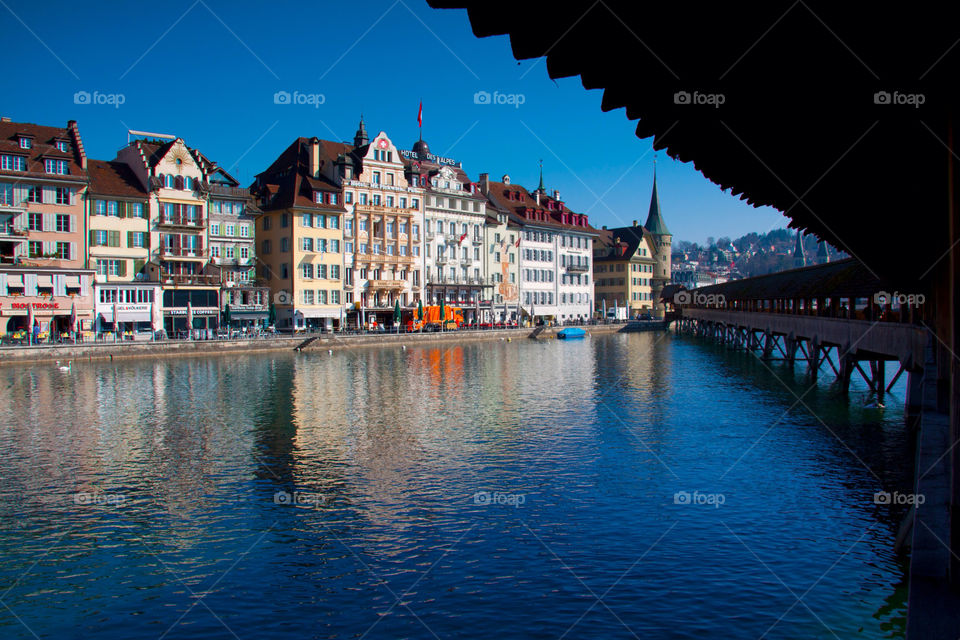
(209, 72)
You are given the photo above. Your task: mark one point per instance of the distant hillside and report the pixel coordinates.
(753, 254)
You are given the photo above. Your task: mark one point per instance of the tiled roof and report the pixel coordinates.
(287, 180)
(114, 179)
(629, 241)
(43, 139)
(516, 199)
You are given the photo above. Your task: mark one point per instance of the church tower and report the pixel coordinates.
(799, 257)
(360, 137)
(662, 241)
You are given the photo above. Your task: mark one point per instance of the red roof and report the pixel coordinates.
(524, 209)
(43, 146)
(114, 179)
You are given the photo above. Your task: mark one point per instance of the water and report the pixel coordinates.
(508, 490)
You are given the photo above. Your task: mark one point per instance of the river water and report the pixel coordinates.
(622, 486)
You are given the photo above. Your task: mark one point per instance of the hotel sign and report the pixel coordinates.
(410, 155)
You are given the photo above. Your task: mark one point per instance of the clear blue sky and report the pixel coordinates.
(208, 72)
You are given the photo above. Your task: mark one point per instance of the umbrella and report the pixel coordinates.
(226, 315)
(73, 317)
(190, 318)
(30, 322)
(116, 320)
(443, 313)
(616, 308)
(420, 310)
(396, 315)
(272, 315)
(604, 309)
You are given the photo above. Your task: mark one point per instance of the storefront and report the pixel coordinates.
(194, 308)
(56, 302)
(127, 307)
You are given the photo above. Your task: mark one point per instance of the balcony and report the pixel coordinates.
(477, 241)
(198, 253)
(189, 279)
(466, 261)
(223, 190)
(430, 235)
(181, 221)
(386, 284)
(379, 208)
(578, 268)
(442, 260)
(380, 258)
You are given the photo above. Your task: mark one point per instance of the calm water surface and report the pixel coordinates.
(623, 486)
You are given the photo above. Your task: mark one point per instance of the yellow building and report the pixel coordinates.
(300, 237)
(624, 263)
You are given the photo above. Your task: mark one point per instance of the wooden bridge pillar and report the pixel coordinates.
(791, 344)
(814, 359)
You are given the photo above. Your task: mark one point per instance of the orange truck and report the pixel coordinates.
(431, 319)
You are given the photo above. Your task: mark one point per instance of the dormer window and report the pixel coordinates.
(61, 167)
(26, 143)
(63, 145)
(318, 197)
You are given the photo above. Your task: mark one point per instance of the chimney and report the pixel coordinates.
(634, 223)
(505, 179)
(485, 183)
(604, 227)
(314, 157)
(537, 196)
(556, 194)
(4, 119)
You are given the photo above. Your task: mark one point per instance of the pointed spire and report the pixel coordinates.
(823, 253)
(799, 257)
(540, 188)
(655, 223)
(360, 137)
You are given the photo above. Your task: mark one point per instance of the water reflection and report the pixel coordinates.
(301, 494)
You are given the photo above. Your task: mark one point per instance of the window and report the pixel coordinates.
(35, 194)
(265, 247)
(307, 296)
(284, 220)
(284, 245)
(307, 220)
(136, 210)
(6, 194)
(307, 269)
(63, 145)
(306, 244)
(63, 223)
(13, 163)
(334, 272)
(266, 223)
(25, 143)
(63, 250)
(62, 195)
(215, 229)
(320, 221)
(348, 197)
(363, 198)
(35, 222)
(403, 203)
(214, 251)
(376, 178)
(333, 222)
(376, 199)
(322, 271)
(284, 270)
(333, 198)
(229, 251)
(334, 246)
(61, 167)
(389, 201)
(244, 230)
(348, 247)
(112, 208)
(230, 230)
(335, 297)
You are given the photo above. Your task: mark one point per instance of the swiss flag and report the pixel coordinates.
(462, 238)
(420, 115)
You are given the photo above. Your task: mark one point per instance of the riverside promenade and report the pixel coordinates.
(309, 342)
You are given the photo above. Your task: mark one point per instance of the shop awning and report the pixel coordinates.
(45, 281)
(14, 280)
(73, 282)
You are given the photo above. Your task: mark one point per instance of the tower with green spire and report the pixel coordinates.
(662, 243)
(799, 256)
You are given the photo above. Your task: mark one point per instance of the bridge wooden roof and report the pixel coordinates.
(843, 278)
(808, 122)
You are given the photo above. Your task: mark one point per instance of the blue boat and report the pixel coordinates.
(571, 333)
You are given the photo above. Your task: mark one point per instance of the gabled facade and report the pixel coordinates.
(43, 181)
(501, 251)
(300, 235)
(174, 177)
(624, 263)
(382, 228)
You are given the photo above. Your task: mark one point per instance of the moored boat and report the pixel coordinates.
(571, 333)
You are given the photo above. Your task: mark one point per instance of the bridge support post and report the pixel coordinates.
(881, 378)
(791, 344)
(767, 344)
(847, 364)
(814, 358)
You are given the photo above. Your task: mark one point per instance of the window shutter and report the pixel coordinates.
(71, 222)
(146, 239)
(20, 221)
(138, 266)
(93, 238)
(114, 238)
(73, 250)
(130, 238)
(49, 195)
(49, 222)
(122, 271)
